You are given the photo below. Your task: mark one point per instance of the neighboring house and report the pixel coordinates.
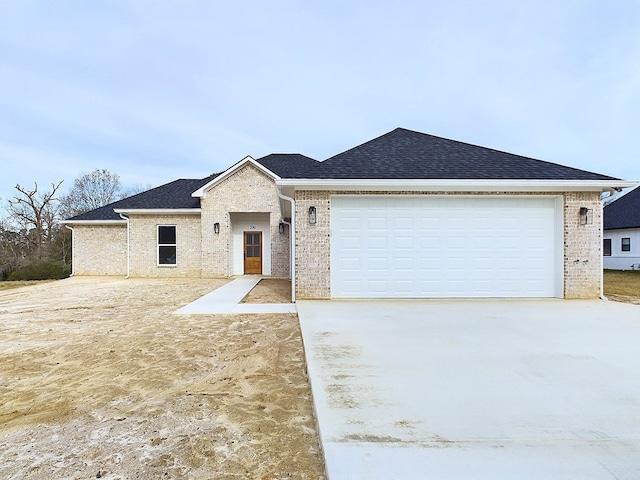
(621, 236)
(405, 215)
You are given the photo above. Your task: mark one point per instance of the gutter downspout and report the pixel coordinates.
(73, 250)
(126, 219)
(602, 297)
(292, 242)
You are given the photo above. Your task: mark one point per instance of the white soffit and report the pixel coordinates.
(94, 222)
(158, 211)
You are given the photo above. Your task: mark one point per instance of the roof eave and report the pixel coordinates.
(158, 211)
(627, 227)
(94, 222)
(455, 185)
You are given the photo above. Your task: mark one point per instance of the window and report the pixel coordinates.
(606, 247)
(626, 244)
(167, 248)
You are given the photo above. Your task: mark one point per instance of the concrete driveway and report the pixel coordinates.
(476, 389)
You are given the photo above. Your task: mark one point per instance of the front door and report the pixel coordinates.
(252, 252)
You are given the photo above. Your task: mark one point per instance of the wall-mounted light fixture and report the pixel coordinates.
(216, 228)
(281, 228)
(312, 215)
(586, 216)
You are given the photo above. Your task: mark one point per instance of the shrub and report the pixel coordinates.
(39, 271)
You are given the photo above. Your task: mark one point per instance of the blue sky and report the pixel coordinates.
(156, 90)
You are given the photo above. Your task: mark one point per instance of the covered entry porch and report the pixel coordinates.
(258, 245)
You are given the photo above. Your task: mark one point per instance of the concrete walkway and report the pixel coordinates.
(225, 300)
(486, 389)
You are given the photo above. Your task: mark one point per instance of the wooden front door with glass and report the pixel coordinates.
(252, 253)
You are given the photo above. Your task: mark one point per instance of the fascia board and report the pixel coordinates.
(94, 222)
(202, 191)
(630, 227)
(158, 211)
(454, 185)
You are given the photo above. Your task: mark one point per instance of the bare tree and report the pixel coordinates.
(32, 241)
(13, 248)
(35, 213)
(90, 191)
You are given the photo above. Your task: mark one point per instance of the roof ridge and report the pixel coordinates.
(402, 154)
(369, 141)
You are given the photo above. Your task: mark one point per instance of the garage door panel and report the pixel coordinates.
(352, 264)
(422, 246)
(378, 243)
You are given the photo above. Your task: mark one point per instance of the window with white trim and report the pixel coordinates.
(626, 244)
(167, 246)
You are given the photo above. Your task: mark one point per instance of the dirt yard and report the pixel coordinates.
(98, 379)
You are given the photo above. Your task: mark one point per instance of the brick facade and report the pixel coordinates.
(144, 246)
(280, 252)
(100, 249)
(582, 243)
(582, 246)
(249, 194)
(244, 200)
(246, 190)
(313, 245)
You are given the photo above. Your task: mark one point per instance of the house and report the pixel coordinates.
(621, 235)
(405, 215)
(193, 228)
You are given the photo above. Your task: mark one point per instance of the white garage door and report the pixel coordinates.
(438, 246)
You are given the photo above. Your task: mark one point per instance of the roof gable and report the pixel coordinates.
(248, 160)
(405, 154)
(623, 212)
(181, 194)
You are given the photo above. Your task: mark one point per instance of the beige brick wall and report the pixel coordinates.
(280, 259)
(582, 246)
(246, 190)
(313, 242)
(582, 243)
(100, 250)
(144, 246)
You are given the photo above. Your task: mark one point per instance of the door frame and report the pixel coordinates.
(240, 223)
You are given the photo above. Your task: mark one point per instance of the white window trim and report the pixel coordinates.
(158, 245)
(622, 250)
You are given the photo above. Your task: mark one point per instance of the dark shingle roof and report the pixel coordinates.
(287, 164)
(176, 194)
(623, 212)
(399, 154)
(405, 154)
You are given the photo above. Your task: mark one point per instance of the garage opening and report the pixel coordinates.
(429, 246)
